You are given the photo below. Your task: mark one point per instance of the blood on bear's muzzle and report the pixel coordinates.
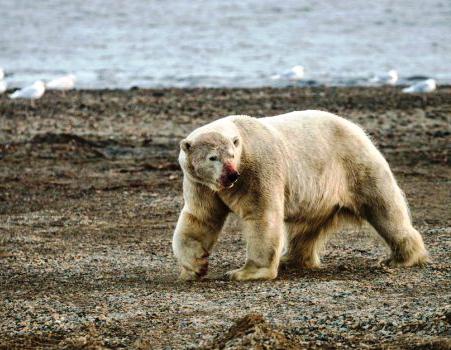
(229, 176)
(232, 177)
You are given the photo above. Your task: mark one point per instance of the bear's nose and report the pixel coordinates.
(233, 176)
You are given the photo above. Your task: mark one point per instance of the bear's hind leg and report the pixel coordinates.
(309, 238)
(309, 252)
(305, 249)
(391, 220)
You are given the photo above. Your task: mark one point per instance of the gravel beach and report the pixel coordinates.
(90, 191)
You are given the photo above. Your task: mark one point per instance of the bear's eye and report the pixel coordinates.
(213, 158)
(236, 142)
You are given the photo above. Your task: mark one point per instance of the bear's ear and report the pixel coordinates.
(185, 145)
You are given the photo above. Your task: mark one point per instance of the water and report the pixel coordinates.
(181, 43)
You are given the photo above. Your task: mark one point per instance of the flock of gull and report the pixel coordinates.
(391, 77)
(294, 74)
(38, 88)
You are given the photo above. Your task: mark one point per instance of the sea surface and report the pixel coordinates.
(215, 43)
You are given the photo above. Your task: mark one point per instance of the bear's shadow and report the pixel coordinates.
(355, 269)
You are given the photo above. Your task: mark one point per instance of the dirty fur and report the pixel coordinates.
(302, 175)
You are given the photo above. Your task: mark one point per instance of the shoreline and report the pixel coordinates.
(440, 88)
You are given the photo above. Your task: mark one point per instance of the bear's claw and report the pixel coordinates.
(196, 271)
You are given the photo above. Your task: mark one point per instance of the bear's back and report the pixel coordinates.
(309, 119)
(325, 130)
(320, 136)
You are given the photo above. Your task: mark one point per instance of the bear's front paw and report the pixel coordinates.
(192, 258)
(245, 274)
(195, 271)
(395, 263)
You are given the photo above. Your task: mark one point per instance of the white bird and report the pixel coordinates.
(294, 74)
(424, 86)
(3, 86)
(32, 92)
(388, 78)
(2, 73)
(63, 83)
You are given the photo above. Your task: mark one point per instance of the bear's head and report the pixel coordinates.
(211, 159)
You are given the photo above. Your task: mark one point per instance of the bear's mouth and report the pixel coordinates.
(227, 186)
(229, 179)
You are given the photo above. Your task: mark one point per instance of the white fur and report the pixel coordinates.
(302, 173)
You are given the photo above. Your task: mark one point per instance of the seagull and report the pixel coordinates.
(32, 92)
(64, 83)
(388, 78)
(427, 85)
(3, 86)
(2, 73)
(296, 73)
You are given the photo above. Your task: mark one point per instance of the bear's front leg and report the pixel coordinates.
(264, 238)
(192, 243)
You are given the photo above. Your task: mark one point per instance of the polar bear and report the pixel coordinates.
(292, 179)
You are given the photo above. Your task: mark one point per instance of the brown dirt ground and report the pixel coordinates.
(90, 191)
